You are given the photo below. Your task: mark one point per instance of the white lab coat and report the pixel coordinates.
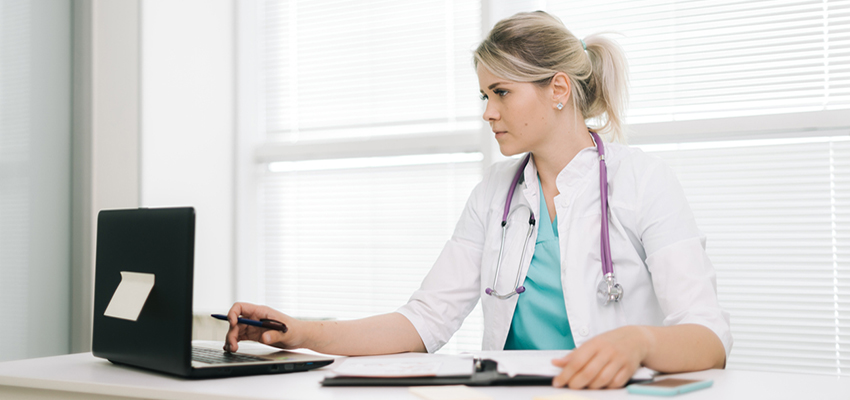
(658, 253)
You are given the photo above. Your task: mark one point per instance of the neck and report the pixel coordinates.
(554, 157)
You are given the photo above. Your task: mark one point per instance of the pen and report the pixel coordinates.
(263, 323)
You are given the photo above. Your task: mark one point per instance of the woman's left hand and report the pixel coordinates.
(606, 361)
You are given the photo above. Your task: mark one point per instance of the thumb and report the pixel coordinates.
(270, 337)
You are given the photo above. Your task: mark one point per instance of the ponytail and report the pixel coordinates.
(607, 94)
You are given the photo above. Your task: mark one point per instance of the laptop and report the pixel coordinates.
(143, 301)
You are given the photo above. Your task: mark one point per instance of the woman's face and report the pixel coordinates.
(520, 114)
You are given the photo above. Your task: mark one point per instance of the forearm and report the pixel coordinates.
(380, 334)
(680, 348)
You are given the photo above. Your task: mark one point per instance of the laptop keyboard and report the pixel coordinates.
(211, 356)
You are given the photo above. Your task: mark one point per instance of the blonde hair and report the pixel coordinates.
(533, 47)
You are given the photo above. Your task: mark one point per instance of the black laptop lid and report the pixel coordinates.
(152, 241)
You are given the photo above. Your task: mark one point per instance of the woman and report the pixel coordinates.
(539, 282)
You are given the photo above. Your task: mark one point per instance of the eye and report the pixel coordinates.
(500, 92)
(483, 97)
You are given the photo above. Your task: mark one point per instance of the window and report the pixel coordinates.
(777, 216)
(724, 58)
(370, 144)
(775, 209)
(35, 192)
(368, 120)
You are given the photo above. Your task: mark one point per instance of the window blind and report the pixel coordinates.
(354, 242)
(724, 58)
(349, 238)
(777, 217)
(35, 196)
(15, 114)
(776, 213)
(343, 69)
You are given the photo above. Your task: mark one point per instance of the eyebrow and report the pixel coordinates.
(494, 85)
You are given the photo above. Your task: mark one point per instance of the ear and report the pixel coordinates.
(561, 88)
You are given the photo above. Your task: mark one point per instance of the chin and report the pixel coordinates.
(509, 151)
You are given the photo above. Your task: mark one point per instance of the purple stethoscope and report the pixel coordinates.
(608, 290)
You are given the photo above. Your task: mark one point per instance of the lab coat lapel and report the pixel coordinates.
(530, 198)
(527, 195)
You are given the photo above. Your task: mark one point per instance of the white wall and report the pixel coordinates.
(187, 130)
(105, 139)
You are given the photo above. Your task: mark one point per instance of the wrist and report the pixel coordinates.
(646, 341)
(306, 335)
(316, 335)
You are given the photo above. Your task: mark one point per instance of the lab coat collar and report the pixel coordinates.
(574, 174)
(570, 179)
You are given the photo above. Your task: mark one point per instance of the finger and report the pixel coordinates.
(590, 371)
(560, 362)
(575, 361)
(605, 376)
(235, 332)
(272, 338)
(622, 377)
(232, 337)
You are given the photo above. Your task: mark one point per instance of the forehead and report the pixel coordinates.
(486, 78)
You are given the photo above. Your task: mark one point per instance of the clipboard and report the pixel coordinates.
(485, 374)
(483, 370)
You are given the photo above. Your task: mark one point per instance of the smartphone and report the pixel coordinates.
(668, 387)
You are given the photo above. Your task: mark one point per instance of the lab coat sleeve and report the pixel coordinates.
(451, 289)
(682, 274)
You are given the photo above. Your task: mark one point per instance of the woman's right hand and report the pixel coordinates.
(293, 338)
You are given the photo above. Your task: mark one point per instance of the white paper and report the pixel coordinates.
(537, 362)
(130, 296)
(525, 362)
(405, 365)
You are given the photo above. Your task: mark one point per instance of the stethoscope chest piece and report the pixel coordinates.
(609, 291)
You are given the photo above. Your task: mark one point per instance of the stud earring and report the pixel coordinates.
(560, 106)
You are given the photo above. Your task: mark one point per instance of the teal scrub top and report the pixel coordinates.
(540, 319)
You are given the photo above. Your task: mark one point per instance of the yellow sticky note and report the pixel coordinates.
(455, 392)
(561, 396)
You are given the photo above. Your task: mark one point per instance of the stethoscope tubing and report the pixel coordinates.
(511, 192)
(609, 289)
(605, 243)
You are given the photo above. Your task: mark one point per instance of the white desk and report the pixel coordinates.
(82, 376)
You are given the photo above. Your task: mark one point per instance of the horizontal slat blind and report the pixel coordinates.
(331, 66)
(838, 38)
(353, 240)
(776, 217)
(724, 58)
(349, 243)
(841, 241)
(16, 86)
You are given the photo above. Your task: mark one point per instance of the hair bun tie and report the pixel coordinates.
(584, 46)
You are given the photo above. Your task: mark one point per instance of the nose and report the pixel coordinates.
(490, 113)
